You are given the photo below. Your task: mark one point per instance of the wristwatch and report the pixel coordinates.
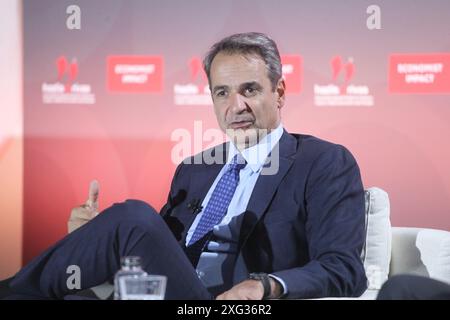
(265, 280)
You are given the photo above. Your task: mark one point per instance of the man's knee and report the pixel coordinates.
(139, 208)
(131, 210)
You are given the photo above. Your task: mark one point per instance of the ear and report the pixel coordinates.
(281, 92)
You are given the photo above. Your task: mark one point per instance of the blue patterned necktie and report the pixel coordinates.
(216, 208)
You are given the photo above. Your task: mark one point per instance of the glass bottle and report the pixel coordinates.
(131, 266)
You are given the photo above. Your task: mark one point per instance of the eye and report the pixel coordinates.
(220, 93)
(250, 91)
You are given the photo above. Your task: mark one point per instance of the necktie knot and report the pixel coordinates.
(237, 163)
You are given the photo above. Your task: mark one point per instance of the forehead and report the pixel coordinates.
(234, 69)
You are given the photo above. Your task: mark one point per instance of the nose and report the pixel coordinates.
(238, 103)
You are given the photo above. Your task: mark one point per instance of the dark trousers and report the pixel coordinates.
(409, 287)
(132, 228)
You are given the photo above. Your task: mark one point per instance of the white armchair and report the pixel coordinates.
(400, 250)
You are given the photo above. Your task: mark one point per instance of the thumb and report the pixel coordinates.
(93, 195)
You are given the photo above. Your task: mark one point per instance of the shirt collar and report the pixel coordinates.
(256, 155)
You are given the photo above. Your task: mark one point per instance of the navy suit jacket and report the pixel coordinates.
(304, 224)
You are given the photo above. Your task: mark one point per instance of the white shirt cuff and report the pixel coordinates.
(285, 291)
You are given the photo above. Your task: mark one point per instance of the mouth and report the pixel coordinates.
(241, 124)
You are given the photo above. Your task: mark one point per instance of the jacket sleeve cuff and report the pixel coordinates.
(283, 284)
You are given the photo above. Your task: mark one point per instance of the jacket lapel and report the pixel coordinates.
(202, 178)
(281, 158)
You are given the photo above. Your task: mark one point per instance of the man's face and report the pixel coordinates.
(245, 104)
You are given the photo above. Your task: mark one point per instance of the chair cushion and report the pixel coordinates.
(405, 256)
(434, 247)
(376, 253)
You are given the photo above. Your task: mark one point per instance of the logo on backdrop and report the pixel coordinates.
(196, 90)
(135, 74)
(66, 89)
(419, 73)
(341, 91)
(292, 73)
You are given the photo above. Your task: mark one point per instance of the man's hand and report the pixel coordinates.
(84, 213)
(246, 290)
(251, 290)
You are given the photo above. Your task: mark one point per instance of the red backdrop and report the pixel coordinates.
(115, 124)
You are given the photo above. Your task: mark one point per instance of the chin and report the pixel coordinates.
(244, 137)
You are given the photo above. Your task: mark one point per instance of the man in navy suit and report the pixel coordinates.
(267, 215)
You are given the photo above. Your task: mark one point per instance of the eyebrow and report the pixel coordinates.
(241, 86)
(250, 84)
(217, 88)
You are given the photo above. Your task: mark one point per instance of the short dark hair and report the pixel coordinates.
(248, 43)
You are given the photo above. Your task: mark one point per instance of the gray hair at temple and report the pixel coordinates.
(248, 43)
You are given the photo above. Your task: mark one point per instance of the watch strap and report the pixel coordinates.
(265, 280)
